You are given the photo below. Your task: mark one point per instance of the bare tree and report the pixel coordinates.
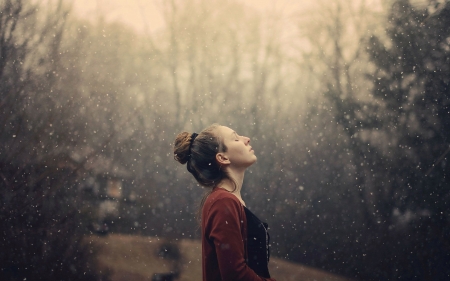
(38, 179)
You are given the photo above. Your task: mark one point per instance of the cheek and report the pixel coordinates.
(236, 152)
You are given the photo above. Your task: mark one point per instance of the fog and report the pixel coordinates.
(346, 103)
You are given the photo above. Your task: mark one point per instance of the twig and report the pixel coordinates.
(437, 162)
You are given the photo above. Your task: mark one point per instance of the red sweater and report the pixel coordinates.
(224, 239)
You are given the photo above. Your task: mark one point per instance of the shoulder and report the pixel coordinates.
(219, 193)
(221, 199)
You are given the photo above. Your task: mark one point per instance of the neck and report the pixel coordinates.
(234, 184)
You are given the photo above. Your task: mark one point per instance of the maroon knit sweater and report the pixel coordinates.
(224, 239)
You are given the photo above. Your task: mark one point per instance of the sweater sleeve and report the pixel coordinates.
(224, 225)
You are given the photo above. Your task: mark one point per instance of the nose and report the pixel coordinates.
(247, 140)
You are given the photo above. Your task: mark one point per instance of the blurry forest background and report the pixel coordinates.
(348, 113)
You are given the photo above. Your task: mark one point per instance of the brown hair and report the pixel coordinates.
(200, 157)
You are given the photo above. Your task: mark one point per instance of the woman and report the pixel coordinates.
(235, 243)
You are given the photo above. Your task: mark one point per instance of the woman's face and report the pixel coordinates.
(239, 152)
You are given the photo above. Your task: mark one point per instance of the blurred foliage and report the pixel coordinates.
(400, 143)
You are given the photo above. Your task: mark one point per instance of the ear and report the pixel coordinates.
(222, 159)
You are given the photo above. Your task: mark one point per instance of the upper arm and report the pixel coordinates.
(225, 226)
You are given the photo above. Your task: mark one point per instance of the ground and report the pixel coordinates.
(138, 258)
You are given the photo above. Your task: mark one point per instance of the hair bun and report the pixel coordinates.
(181, 147)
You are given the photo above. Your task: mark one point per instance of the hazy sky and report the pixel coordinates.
(146, 14)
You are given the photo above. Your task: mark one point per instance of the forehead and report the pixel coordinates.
(224, 131)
